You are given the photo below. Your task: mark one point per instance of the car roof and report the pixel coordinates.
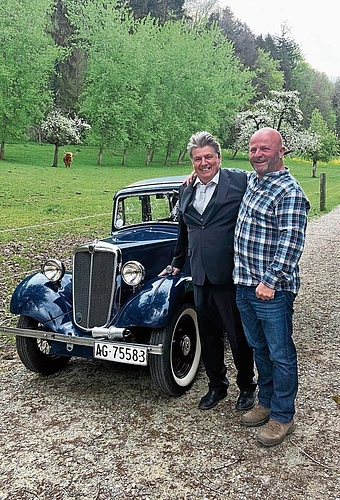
(176, 179)
(158, 183)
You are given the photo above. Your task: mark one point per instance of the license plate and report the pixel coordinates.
(121, 353)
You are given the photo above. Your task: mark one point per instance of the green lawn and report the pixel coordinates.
(54, 201)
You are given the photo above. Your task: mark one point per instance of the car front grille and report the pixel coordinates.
(94, 277)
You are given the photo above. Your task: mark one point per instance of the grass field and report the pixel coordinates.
(39, 201)
(45, 212)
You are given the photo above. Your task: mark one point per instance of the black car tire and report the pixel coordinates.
(34, 353)
(174, 371)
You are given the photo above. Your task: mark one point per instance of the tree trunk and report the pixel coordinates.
(55, 159)
(2, 150)
(314, 168)
(148, 156)
(124, 157)
(234, 154)
(167, 155)
(180, 157)
(100, 156)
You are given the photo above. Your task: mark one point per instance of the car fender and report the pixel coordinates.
(41, 299)
(156, 303)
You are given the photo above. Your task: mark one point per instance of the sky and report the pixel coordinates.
(313, 26)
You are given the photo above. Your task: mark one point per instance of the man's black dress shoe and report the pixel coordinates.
(246, 400)
(212, 398)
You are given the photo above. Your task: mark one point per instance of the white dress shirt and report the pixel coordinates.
(204, 192)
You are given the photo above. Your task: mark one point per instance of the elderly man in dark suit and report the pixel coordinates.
(208, 209)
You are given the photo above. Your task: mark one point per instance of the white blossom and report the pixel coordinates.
(60, 129)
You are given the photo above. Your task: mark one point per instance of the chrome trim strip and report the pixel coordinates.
(71, 339)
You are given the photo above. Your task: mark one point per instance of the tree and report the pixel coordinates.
(285, 50)
(198, 10)
(267, 75)
(323, 91)
(183, 96)
(282, 112)
(315, 90)
(325, 144)
(69, 77)
(163, 10)
(110, 100)
(146, 86)
(243, 39)
(268, 44)
(58, 129)
(27, 56)
(336, 105)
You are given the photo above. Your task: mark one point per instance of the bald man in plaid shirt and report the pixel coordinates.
(269, 240)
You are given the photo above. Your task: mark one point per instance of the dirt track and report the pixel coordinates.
(99, 431)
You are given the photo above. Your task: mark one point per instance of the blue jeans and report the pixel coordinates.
(268, 328)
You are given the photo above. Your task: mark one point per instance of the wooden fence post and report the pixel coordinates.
(322, 191)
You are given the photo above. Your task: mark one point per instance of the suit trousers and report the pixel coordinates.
(218, 315)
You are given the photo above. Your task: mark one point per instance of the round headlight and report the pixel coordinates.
(133, 273)
(53, 269)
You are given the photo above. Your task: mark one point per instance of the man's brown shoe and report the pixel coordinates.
(255, 417)
(275, 432)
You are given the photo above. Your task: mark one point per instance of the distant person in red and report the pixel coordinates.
(67, 159)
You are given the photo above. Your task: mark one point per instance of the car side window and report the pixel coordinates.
(137, 209)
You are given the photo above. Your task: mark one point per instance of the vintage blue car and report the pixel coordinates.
(113, 306)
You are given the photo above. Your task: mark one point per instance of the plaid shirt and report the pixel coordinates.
(270, 232)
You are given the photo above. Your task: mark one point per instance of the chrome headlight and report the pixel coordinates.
(53, 269)
(133, 273)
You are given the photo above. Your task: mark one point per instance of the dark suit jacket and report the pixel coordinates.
(208, 239)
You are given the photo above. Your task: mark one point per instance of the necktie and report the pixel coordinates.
(200, 198)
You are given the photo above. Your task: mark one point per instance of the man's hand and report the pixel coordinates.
(169, 271)
(190, 178)
(263, 292)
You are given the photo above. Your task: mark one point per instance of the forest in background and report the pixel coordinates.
(163, 67)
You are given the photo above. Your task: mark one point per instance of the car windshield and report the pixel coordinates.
(149, 207)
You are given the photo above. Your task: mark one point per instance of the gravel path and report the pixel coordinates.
(99, 431)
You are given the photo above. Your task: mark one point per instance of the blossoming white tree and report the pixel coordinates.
(280, 111)
(59, 129)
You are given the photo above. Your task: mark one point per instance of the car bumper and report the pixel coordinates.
(107, 334)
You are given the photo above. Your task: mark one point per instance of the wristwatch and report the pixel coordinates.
(169, 269)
